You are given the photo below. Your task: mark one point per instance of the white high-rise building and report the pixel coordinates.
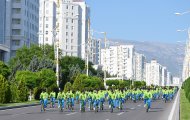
(153, 73)
(164, 76)
(139, 67)
(118, 60)
(47, 21)
(169, 79)
(176, 80)
(22, 20)
(73, 31)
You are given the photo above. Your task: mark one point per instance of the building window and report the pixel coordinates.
(17, 1)
(46, 25)
(46, 32)
(72, 27)
(16, 10)
(47, 18)
(67, 7)
(71, 47)
(72, 7)
(67, 26)
(72, 21)
(16, 31)
(66, 33)
(46, 38)
(72, 34)
(66, 47)
(67, 20)
(71, 40)
(16, 21)
(66, 40)
(16, 42)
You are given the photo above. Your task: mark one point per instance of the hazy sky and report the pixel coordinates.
(141, 20)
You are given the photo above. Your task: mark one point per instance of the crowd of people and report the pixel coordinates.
(95, 100)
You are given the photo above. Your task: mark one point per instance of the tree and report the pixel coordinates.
(25, 54)
(3, 89)
(68, 87)
(83, 82)
(47, 78)
(22, 91)
(29, 78)
(14, 92)
(4, 70)
(78, 83)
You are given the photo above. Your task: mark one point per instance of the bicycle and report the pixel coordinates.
(82, 106)
(61, 105)
(69, 104)
(120, 104)
(52, 102)
(96, 106)
(111, 106)
(101, 105)
(147, 105)
(42, 105)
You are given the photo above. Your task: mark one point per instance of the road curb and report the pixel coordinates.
(19, 106)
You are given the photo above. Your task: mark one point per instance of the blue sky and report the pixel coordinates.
(141, 20)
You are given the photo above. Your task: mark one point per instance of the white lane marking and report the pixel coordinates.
(170, 117)
(132, 108)
(120, 113)
(139, 105)
(71, 113)
(18, 114)
(107, 119)
(48, 119)
(19, 108)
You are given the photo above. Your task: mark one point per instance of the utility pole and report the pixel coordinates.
(105, 45)
(57, 42)
(88, 48)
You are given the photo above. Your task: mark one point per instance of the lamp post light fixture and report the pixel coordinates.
(178, 13)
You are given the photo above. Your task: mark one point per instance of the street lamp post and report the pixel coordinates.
(105, 40)
(186, 59)
(56, 49)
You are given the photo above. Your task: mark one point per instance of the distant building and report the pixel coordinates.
(176, 80)
(118, 60)
(164, 76)
(22, 20)
(153, 73)
(4, 46)
(47, 21)
(73, 32)
(139, 67)
(169, 79)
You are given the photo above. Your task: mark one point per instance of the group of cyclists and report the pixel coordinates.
(96, 100)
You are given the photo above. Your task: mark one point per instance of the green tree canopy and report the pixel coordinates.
(4, 70)
(47, 78)
(29, 78)
(3, 89)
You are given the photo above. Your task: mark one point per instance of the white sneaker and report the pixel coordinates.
(109, 106)
(144, 105)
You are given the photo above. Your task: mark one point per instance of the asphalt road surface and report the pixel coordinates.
(132, 111)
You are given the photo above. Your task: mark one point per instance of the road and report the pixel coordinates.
(132, 111)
